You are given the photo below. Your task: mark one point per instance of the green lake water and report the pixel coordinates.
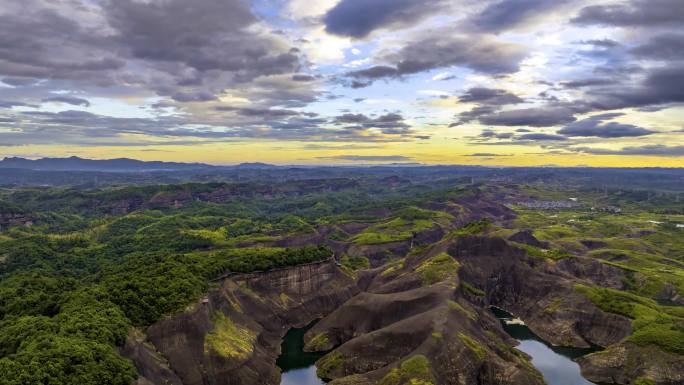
(555, 363)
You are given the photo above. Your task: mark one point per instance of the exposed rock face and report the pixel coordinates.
(536, 291)
(594, 271)
(386, 315)
(401, 316)
(626, 362)
(264, 307)
(381, 253)
(527, 238)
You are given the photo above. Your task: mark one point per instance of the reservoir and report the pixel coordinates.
(297, 365)
(555, 363)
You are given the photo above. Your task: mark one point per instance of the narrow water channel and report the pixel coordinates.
(555, 363)
(297, 365)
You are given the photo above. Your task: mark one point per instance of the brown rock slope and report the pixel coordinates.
(233, 335)
(413, 313)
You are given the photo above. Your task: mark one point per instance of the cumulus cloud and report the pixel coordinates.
(358, 18)
(643, 13)
(508, 14)
(595, 126)
(390, 123)
(533, 117)
(443, 48)
(490, 96)
(666, 46)
(179, 49)
(74, 101)
(661, 85)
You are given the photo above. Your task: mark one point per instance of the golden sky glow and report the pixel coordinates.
(496, 82)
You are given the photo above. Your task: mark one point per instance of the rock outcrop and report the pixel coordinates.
(414, 309)
(233, 335)
(626, 362)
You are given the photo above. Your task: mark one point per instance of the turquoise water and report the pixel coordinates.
(555, 363)
(297, 365)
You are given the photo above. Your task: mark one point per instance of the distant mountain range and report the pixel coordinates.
(75, 163)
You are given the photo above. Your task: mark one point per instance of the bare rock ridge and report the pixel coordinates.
(422, 316)
(232, 336)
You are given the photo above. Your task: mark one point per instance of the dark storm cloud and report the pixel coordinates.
(369, 158)
(489, 96)
(534, 117)
(74, 101)
(642, 13)
(595, 127)
(439, 49)
(508, 14)
(667, 46)
(647, 150)
(358, 18)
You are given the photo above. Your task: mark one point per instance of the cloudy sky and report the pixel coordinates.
(503, 82)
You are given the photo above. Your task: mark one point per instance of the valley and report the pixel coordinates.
(348, 280)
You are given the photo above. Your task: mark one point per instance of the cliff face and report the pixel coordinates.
(432, 305)
(415, 309)
(625, 362)
(539, 291)
(233, 335)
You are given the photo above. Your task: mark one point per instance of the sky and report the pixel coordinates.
(490, 82)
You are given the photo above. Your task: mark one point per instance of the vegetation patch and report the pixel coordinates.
(553, 305)
(413, 371)
(229, 339)
(397, 229)
(319, 343)
(472, 228)
(473, 345)
(472, 289)
(268, 258)
(453, 305)
(328, 364)
(437, 268)
(651, 323)
(355, 263)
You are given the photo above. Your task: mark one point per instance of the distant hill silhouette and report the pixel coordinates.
(255, 165)
(75, 163)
